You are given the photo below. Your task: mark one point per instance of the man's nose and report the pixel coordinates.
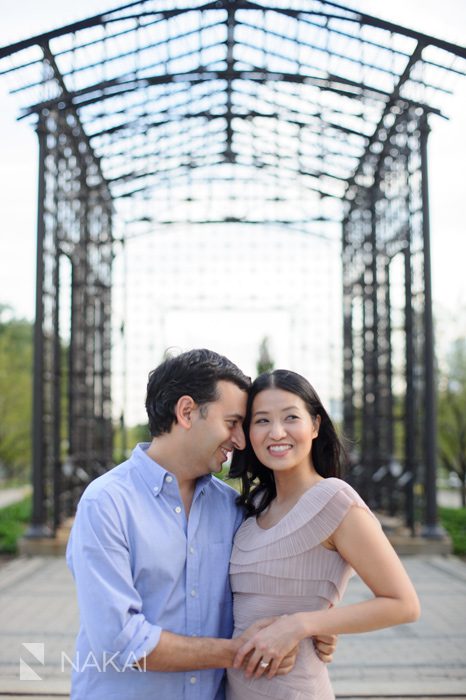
(238, 438)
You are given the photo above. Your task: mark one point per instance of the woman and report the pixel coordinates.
(304, 533)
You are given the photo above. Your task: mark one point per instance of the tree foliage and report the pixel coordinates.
(265, 362)
(126, 437)
(15, 394)
(452, 415)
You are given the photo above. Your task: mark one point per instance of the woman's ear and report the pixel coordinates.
(316, 420)
(183, 411)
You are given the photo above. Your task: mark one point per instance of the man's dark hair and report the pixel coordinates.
(194, 373)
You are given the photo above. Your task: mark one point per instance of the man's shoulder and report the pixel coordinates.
(223, 490)
(112, 482)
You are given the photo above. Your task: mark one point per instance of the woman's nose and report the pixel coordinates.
(277, 431)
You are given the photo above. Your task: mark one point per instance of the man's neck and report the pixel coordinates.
(170, 455)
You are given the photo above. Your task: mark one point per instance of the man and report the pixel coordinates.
(151, 543)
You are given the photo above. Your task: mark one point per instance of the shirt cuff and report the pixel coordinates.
(144, 641)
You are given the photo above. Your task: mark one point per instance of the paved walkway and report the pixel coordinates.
(427, 659)
(9, 496)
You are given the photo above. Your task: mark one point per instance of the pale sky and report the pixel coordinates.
(18, 166)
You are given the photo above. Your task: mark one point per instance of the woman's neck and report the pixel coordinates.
(290, 486)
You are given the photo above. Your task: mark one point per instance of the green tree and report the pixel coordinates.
(265, 362)
(15, 394)
(452, 415)
(125, 438)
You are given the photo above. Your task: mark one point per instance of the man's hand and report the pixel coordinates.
(325, 646)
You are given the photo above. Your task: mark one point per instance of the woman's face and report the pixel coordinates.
(282, 430)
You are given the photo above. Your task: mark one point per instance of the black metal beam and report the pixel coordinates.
(372, 21)
(431, 529)
(96, 20)
(415, 57)
(39, 527)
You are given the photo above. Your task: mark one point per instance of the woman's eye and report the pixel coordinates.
(291, 417)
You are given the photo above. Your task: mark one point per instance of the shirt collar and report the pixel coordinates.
(203, 483)
(154, 474)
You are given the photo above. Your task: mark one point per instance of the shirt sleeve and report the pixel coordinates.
(110, 606)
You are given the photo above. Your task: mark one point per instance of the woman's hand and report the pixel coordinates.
(270, 646)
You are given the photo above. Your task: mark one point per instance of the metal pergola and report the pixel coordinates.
(302, 113)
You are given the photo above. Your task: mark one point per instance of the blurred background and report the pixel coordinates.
(255, 275)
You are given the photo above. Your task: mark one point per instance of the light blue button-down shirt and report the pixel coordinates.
(141, 566)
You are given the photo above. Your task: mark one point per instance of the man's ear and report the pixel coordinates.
(183, 411)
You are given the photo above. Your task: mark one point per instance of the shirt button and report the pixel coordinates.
(193, 593)
(193, 680)
(156, 488)
(169, 479)
(191, 550)
(177, 509)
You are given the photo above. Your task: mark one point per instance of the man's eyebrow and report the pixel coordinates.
(238, 416)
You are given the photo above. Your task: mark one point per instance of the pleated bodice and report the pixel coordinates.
(286, 569)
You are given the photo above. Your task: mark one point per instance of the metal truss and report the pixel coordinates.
(304, 113)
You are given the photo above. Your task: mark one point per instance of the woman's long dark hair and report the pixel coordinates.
(328, 454)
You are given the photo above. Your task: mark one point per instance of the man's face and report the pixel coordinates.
(218, 428)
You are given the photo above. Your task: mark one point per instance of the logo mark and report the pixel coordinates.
(37, 651)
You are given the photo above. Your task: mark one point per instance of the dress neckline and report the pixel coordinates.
(305, 493)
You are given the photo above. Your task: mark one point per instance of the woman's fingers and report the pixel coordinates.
(270, 651)
(253, 667)
(256, 662)
(264, 667)
(242, 653)
(286, 665)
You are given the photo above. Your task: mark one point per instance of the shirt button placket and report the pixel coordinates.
(193, 598)
(193, 686)
(192, 586)
(193, 605)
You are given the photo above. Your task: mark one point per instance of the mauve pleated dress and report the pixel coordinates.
(283, 570)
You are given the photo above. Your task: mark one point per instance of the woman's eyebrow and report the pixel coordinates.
(288, 408)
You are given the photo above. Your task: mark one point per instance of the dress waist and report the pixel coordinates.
(307, 681)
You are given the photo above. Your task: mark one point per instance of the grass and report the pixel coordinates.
(454, 522)
(13, 521)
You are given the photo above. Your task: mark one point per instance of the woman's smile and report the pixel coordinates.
(279, 450)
